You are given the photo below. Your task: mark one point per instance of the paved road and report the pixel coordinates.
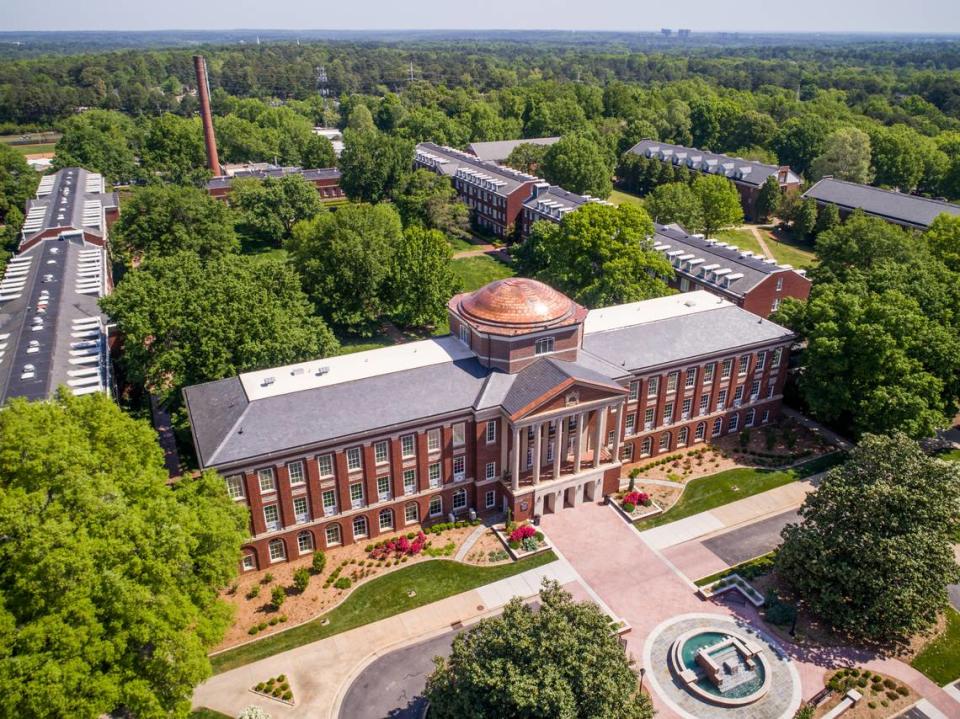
(391, 687)
(739, 545)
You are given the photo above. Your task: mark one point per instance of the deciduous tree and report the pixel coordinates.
(874, 553)
(943, 236)
(675, 202)
(578, 165)
(768, 199)
(373, 164)
(798, 141)
(719, 202)
(845, 156)
(271, 207)
(108, 576)
(173, 150)
(561, 660)
(102, 141)
(527, 157)
(426, 198)
(421, 280)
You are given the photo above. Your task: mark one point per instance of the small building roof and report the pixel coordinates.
(272, 171)
(71, 198)
(499, 150)
(456, 163)
(749, 172)
(898, 207)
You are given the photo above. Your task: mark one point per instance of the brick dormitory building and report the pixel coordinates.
(532, 403)
(326, 180)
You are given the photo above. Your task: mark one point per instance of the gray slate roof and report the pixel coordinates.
(447, 161)
(319, 173)
(889, 205)
(749, 172)
(499, 150)
(539, 378)
(68, 199)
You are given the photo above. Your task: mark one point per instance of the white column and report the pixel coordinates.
(601, 413)
(578, 444)
(504, 445)
(619, 431)
(544, 442)
(515, 471)
(559, 448)
(537, 441)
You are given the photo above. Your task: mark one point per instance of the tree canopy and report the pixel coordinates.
(373, 164)
(675, 202)
(186, 321)
(426, 198)
(719, 202)
(845, 156)
(18, 182)
(873, 554)
(527, 157)
(421, 279)
(101, 141)
(599, 255)
(579, 165)
(270, 208)
(561, 660)
(108, 577)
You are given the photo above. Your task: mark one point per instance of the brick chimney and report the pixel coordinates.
(203, 90)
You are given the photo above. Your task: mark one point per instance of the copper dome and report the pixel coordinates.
(519, 303)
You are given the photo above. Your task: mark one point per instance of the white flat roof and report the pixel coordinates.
(661, 308)
(327, 371)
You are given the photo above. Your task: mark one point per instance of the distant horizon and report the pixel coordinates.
(360, 30)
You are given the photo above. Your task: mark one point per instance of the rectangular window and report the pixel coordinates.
(722, 400)
(765, 417)
(380, 453)
(436, 506)
(459, 434)
(770, 390)
(407, 446)
(672, 380)
(775, 305)
(276, 551)
(726, 368)
(611, 438)
(777, 357)
(626, 453)
(734, 423)
(249, 562)
(779, 284)
(738, 395)
(329, 502)
(691, 378)
(684, 284)
(383, 488)
(356, 494)
(761, 361)
(271, 515)
(267, 482)
(235, 486)
(411, 513)
(634, 391)
(653, 386)
(701, 431)
(433, 440)
(300, 510)
(668, 413)
(434, 474)
(295, 472)
(708, 371)
(704, 404)
(490, 499)
(459, 499)
(685, 412)
(717, 426)
(648, 419)
(325, 465)
(744, 365)
(491, 470)
(386, 520)
(465, 335)
(359, 527)
(305, 542)
(645, 447)
(751, 416)
(333, 535)
(409, 481)
(755, 390)
(630, 427)
(544, 345)
(491, 431)
(459, 467)
(354, 461)
(664, 441)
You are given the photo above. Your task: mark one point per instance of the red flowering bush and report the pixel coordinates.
(399, 547)
(634, 498)
(521, 533)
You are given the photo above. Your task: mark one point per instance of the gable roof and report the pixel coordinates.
(456, 163)
(894, 206)
(749, 172)
(534, 383)
(71, 198)
(499, 150)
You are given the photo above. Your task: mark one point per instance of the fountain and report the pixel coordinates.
(720, 667)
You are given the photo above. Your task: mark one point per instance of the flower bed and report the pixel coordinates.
(634, 505)
(729, 582)
(523, 540)
(277, 688)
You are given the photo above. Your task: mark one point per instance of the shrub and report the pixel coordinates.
(862, 682)
(628, 508)
(876, 679)
(884, 703)
(523, 532)
(288, 695)
(253, 592)
(778, 612)
(267, 578)
(276, 692)
(893, 696)
(283, 618)
(251, 631)
(538, 536)
(529, 544)
(278, 596)
(261, 626)
(513, 544)
(889, 683)
(368, 548)
(902, 690)
(872, 705)
(301, 579)
(342, 583)
(273, 621)
(233, 588)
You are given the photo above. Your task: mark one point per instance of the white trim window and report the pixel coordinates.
(755, 390)
(721, 400)
(459, 468)
(672, 380)
(325, 465)
(459, 500)
(359, 527)
(775, 305)
(717, 427)
(634, 391)
(356, 495)
(332, 534)
(708, 372)
(682, 437)
(744, 365)
(780, 283)
(700, 433)
(267, 481)
(648, 419)
(305, 542)
(459, 434)
(690, 379)
(329, 498)
(667, 413)
(354, 459)
(408, 446)
(544, 346)
(490, 470)
(271, 517)
(296, 473)
(491, 432)
(235, 486)
(433, 440)
(409, 481)
(490, 499)
(385, 518)
(249, 562)
(761, 361)
(645, 447)
(277, 551)
(383, 489)
(726, 368)
(411, 513)
(765, 417)
(704, 404)
(777, 357)
(433, 473)
(653, 387)
(381, 452)
(664, 442)
(751, 416)
(734, 423)
(436, 505)
(465, 335)
(630, 424)
(301, 511)
(685, 409)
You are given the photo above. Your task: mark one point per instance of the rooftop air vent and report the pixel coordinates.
(267, 381)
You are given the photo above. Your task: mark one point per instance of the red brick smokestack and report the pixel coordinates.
(203, 90)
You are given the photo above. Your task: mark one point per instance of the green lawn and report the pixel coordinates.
(34, 149)
(261, 250)
(349, 345)
(743, 239)
(618, 197)
(722, 488)
(952, 455)
(940, 660)
(204, 713)
(791, 252)
(458, 244)
(379, 599)
(475, 272)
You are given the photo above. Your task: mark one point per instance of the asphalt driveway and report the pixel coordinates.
(752, 540)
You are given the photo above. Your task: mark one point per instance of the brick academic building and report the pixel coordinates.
(532, 403)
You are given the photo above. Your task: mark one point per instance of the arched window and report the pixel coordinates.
(664, 441)
(333, 535)
(386, 519)
(277, 550)
(305, 542)
(682, 437)
(249, 561)
(701, 432)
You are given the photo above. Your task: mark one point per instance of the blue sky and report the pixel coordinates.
(935, 16)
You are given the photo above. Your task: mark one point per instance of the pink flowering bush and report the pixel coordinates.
(521, 533)
(632, 499)
(399, 547)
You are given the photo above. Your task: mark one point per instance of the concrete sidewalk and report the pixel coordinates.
(317, 672)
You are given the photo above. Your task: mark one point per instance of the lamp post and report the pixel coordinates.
(642, 672)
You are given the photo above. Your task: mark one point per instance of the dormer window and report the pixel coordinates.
(544, 345)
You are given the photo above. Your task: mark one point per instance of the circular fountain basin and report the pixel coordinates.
(698, 658)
